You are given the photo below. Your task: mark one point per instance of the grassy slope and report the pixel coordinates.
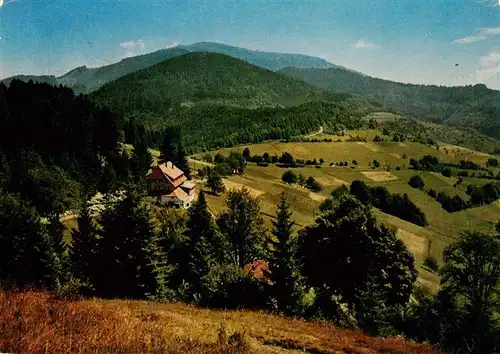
(36, 322)
(265, 182)
(207, 77)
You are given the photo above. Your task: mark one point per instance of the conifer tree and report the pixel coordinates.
(281, 257)
(27, 255)
(201, 244)
(60, 257)
(168, 148)
(84, 247)
(130, 252)
(181, 161)
(141, 157)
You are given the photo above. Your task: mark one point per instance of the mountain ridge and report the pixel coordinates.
(83, 79)
(474, 106)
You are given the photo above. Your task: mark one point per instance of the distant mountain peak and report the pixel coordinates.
(84, 79)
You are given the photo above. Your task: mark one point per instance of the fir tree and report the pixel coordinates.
(84, 247)
(141, 157)
(181, 161)
(27, 255)
(168, 148)
(281, 260)
(130, 252)
(60, 257)
(201, 245)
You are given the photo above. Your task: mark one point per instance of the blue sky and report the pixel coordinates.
(416, 41)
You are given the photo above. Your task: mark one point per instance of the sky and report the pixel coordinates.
(415, 41)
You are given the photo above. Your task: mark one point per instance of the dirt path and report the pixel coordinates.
(314, 134)
(202, 163)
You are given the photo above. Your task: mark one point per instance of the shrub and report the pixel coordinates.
(262, 164)
(289, 177)
(376, 164)
(416, 182)
(446, 172)
(432, 193)
(492, 162)
(377, 138)
(313, 185)
(431, 263)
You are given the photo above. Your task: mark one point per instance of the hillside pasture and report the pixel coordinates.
(426, 241)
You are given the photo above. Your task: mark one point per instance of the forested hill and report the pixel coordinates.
(46, 79)
(471, 106)
(206, 126)
(204, 77)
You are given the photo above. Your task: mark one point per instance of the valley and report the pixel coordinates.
(394, 173)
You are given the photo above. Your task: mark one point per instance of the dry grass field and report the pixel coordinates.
(36, 322)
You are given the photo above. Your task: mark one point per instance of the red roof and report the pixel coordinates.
(167, 171)
(178, 193)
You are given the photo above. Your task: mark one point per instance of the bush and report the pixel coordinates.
(377, 138)
(416, 182)
(313, 185)
(263, 164)
(376, 164)
(289, 177)
(432, 193)
(226, 286)
(431, 263)
(492, 162)
(446, 172)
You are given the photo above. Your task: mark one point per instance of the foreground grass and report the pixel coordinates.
(36, 322)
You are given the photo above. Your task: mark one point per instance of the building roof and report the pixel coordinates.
(167, 170)
(170, 170)
(177, 193)
(188, 185)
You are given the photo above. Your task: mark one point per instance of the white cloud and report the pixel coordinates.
(490, 60)
(489, 69)
(173, 44)
(471, 39)
(361, 44)
(480, 35)
(138, 44)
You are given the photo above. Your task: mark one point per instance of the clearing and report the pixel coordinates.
(379, 176)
